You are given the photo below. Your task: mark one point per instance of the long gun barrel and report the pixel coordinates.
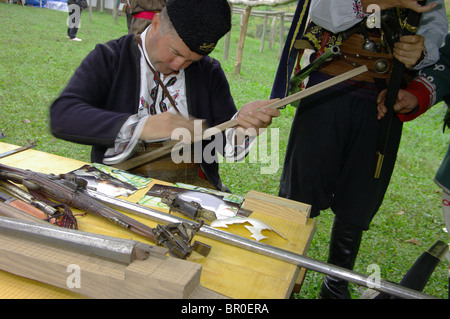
(116, 249)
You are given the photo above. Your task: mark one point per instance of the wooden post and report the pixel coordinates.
(240, 48)
(226, 43)
(263, 36)
(90, 10)
(226, 46)
(272, 31)
(280, 48)
(115, 12)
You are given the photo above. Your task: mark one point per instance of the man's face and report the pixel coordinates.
(167, 52)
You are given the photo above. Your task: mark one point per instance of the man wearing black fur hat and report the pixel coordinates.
(115, 101)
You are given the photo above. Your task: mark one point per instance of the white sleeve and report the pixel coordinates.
(433, 27)
(233, 151)
(336, 15)
(126, 140)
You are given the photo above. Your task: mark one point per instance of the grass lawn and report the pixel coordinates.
(37, 60)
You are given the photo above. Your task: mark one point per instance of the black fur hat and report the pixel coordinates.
(200, 23)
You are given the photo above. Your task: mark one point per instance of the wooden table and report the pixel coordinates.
(228, 270)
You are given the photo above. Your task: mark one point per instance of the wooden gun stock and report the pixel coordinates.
(13, 212)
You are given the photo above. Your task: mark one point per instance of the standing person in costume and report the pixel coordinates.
(116, 100)
(430, 87)
(142, 13)
(75, 8)
(330, 155)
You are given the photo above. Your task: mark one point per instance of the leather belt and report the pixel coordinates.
(353, 55)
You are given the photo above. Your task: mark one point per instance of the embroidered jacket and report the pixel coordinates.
(431, 87)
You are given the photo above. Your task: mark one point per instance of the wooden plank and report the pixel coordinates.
(154, 278)
(283, 208)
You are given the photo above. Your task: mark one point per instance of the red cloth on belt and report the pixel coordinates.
(148, 15)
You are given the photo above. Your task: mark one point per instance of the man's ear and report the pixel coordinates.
(156, 23)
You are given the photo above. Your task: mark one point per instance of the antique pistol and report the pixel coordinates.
(68, 189)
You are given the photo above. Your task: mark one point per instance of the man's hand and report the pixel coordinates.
(252, 118)
(413, 5)
(406, 102)
(409, 49)
(255, 116)
(162, 125)
(408, 4)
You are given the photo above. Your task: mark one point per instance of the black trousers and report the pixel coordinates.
(330, 156)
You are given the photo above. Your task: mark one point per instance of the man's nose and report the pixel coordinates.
(179, 63)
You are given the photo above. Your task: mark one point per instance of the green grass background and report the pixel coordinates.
(37, 60)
